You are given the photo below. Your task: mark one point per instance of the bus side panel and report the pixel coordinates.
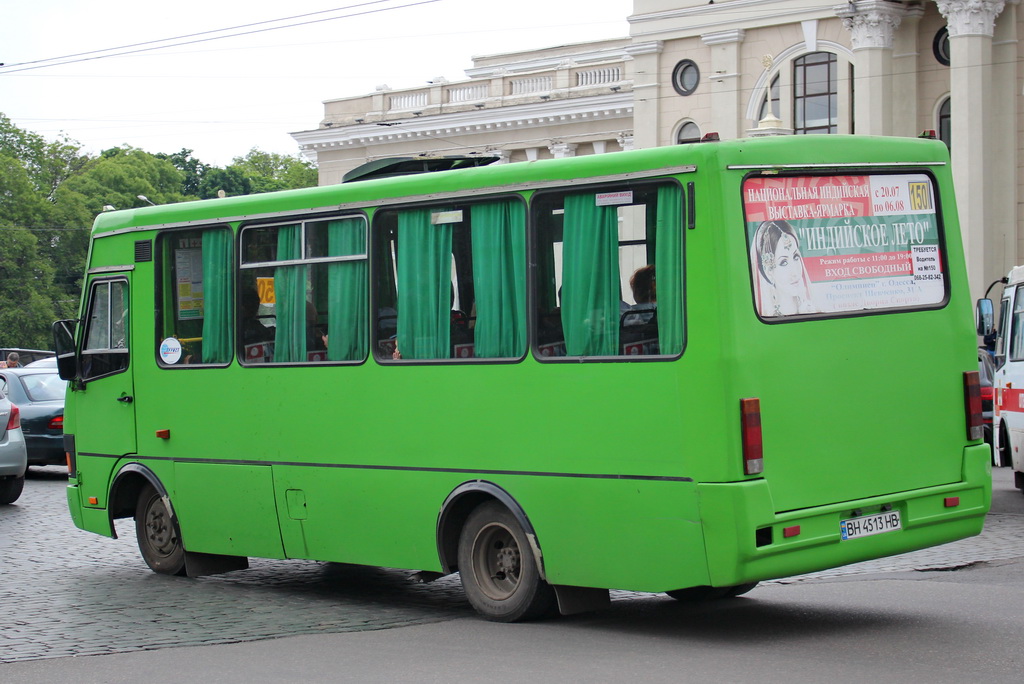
(227, 509)
(634, 534)
(358, 515)
(640, 535)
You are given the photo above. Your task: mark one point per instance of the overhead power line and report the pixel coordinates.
(192, 38)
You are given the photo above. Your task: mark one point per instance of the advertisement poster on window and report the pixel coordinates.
(188, 268)
(843, 244)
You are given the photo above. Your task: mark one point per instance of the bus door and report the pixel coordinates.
(104, 407)
(1009, 377)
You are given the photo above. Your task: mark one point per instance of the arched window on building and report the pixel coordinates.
(815, 93)
(771, 102)
(945, 134)
(689, 132)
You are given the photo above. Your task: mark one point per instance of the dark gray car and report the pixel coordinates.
(39, 392)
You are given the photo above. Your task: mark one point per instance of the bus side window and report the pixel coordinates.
(451, 281)
(303, 292)
(195, 295)
(105, 350)
(609, 272)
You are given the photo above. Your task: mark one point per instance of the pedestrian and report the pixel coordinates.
(13, 360)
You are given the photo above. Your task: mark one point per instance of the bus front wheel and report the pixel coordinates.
(498, 569)
(158, 534)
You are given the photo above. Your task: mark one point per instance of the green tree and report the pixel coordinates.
(269, 171)
(193, 170)
(48, 164)
(121, 174)
(20, 202)
(231, 181)
(26, 290)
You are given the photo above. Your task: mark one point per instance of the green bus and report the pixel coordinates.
(684, 370)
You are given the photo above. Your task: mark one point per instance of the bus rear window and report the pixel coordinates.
(843, 244)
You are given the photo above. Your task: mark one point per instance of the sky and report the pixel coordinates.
(223, 97)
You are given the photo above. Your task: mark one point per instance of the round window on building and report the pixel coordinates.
(688, 133)
(940, 46)
(685, 77)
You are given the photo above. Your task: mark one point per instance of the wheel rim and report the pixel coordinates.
(497, 562)
(159, 531)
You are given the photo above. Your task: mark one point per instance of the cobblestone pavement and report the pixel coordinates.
(70, 593)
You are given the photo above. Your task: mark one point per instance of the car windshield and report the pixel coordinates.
(44, 386)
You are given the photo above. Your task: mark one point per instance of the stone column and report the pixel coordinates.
(643, 65)
(971, 24)
(1006, 251)
(871, 24)
(724, 81)
(905, 120)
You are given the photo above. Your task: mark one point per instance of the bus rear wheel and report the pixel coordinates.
(703, 593)
(498, 569)
(158, 534)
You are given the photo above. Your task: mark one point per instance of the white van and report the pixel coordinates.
(1006, 343)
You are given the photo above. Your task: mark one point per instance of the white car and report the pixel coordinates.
(13, 455)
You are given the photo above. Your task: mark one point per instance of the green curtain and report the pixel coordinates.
(668, 271)
(498, 235)
(217, 296)
(346, 285)
(424, 286)
(590, 278)
(290, 298)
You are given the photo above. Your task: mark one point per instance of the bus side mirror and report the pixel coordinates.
(984, 317)
(64, 346)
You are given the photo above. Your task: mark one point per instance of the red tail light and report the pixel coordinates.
(57, 423)
(987, 393)
(753, 454)
(14, 420)
(972, 404)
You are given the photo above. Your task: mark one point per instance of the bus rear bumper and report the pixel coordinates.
(747, 541)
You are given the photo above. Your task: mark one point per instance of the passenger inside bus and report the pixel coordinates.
(253, 330)
(645, 294)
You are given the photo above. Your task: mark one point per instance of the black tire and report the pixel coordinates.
(1005, 459)
(739, 590)
(158, 534)
(11, 488)
(704, 593)
(498, 569)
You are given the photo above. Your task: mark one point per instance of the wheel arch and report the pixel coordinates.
(125, 489)
(456, 509)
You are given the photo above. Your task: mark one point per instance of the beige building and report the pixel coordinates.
(738, 68)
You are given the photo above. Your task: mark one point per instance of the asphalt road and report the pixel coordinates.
(952, 615)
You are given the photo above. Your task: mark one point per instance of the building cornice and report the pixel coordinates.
(710, 18)
(533, 115)
(547, 63)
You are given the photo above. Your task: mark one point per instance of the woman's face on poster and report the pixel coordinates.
(789, 269)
